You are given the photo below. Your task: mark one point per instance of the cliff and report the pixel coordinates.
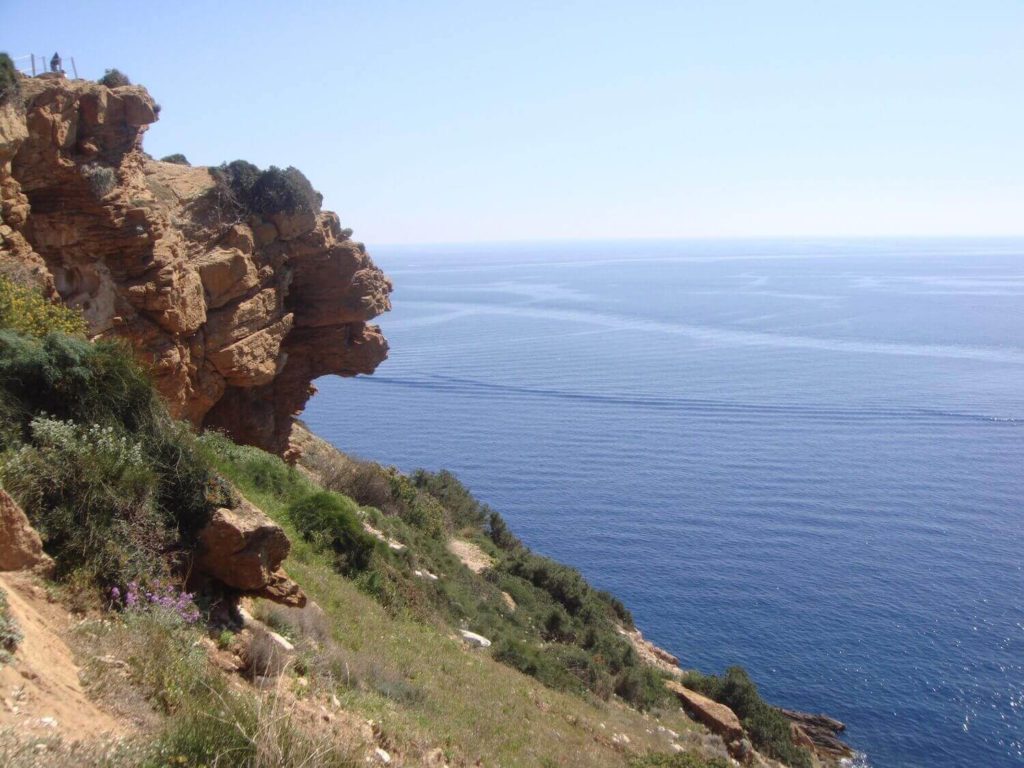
(237, 293)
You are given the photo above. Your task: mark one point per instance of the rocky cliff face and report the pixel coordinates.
(235, 311)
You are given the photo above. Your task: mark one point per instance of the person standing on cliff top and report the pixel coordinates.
(55, 63)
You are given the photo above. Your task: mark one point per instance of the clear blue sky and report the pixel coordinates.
(464, 121)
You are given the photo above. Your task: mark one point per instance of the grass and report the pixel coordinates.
(402, 667)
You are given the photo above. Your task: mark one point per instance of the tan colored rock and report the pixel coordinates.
(226, 275)
(243, 549)
(718, 718)
(235, 313)
(20, 545)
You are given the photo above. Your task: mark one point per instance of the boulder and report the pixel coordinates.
(718, 718)
(243, 549)
(475, 640)
(20, 545)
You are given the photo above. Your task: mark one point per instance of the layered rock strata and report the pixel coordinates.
(235, 312)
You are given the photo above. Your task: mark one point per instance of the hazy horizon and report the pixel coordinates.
(463, 123)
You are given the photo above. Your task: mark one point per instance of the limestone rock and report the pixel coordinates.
(20, 545)
(243, 549)
(475, 640)
(235, 313)
(718, 718)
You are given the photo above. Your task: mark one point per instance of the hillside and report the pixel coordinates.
(199, 600)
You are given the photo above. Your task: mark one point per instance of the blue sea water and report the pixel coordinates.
(804, 457)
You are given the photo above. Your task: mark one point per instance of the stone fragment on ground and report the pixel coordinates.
(475, 640)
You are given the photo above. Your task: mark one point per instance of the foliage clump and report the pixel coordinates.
(114, 78)
(115, 485)
(332, 521)
(767, 727)
(10, 635)
(177, 158)
(266, 192)
(27, 311)
(9, 85)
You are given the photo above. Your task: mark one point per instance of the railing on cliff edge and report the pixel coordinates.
(30, 64)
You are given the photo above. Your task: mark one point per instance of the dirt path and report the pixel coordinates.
(40, 692)
(471, 555)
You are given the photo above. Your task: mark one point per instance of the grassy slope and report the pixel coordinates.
(463, 701)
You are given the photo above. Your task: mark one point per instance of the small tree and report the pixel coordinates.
(114, 78)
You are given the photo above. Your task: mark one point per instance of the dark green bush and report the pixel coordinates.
(114, 78)
(271, 191)
(8, 78)
(767, 727)
(177, 158)
(500, 533)
(332, 521)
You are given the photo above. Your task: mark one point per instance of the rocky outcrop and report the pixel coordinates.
(235, 311)
(243, 549)
(650, 653)
(20, 545)
(818, 733)
(718, 718)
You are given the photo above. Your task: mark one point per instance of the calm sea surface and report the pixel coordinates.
(803, 457)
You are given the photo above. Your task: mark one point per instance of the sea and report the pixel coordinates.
(805, 457)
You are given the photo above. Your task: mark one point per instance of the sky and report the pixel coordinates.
(476, 121)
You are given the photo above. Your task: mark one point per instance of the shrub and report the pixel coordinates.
(177, 158)
(332, 521)
(10, 635)
(100, 178)
(8, 78)
(90, 494)
(27, 311)
(271, 191)
(112, 481)
(768, 728)
(114, 78)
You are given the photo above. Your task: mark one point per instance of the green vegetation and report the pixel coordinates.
(767, 727)
(119, 490)
(265, 192)
(679, 760)
(8, 77)
(10, 635)
(114, 78)
(88, 449)
(332, 521)
(27, 311)
(206, 721)
(177, 158)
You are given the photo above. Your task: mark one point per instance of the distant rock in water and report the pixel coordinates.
(232, 284)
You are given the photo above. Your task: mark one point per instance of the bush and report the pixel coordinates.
(27, 311)
(767, 727)
(100, 178)
(270, 191)
(90, 493)
(9, 85)
(114, 78)
(177, 158)
(332, 521)
(97, 463)
(10, 635)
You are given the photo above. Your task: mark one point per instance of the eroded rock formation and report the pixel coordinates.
(235, 312)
